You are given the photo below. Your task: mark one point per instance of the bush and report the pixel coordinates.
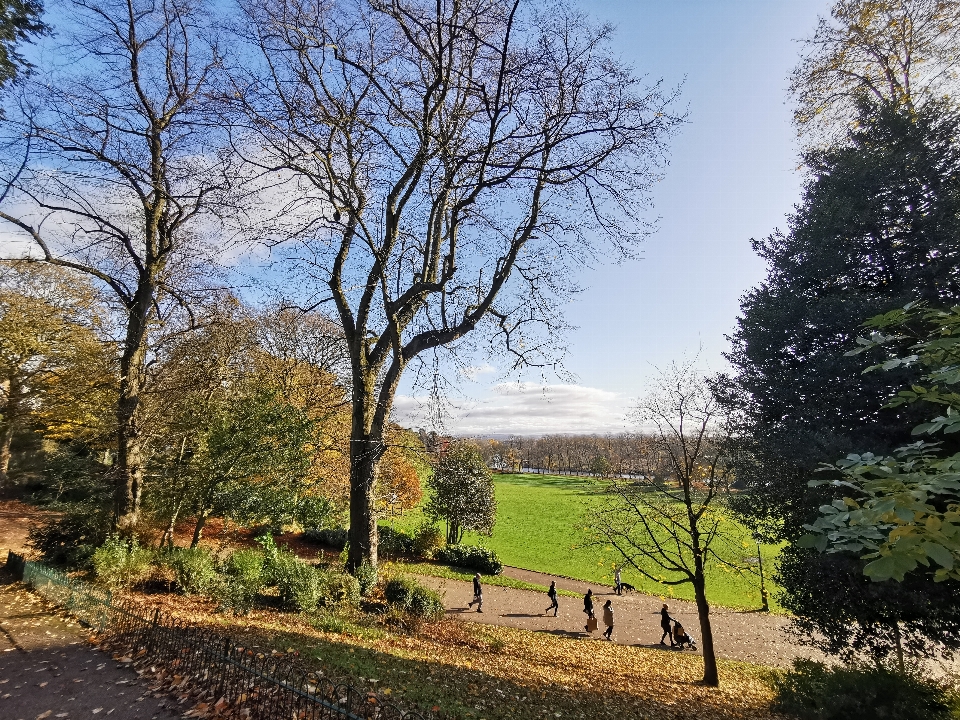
(300, 586)
(428, 539)
(813, 691)
(122, 563)
(242, 580)
(470, 556)
(366, 576)
(338, 589)
(335, 538)
(412, 597)
(195, 570)
(71, 539)
(395, 542)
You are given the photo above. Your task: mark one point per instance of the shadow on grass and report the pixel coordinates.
(455, 691)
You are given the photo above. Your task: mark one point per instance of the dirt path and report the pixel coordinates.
(49, 671)
(751, 636)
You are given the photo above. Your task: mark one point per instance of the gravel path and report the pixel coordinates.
(48, 670)
(738, 635)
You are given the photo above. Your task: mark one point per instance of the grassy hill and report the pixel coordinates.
(540, 521)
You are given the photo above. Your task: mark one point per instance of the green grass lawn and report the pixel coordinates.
(539, 527)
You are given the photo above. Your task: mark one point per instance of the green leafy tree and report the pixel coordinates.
(903, 510)
(462, 493)
(248, 459)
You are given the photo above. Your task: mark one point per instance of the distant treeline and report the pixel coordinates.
(624, 454)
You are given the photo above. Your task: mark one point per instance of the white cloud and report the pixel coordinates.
(528, 409)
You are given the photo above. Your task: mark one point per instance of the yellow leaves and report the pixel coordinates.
(902, 531)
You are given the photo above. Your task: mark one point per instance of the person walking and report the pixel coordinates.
(477, 594)
(616, 580)
(552, 594)
(665, 621)
(608, 619)
(588, 608)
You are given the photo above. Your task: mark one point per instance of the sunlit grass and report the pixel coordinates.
(540, 526)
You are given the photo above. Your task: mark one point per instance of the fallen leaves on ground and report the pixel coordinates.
(469, 671)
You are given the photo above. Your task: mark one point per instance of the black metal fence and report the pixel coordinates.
(225, 673)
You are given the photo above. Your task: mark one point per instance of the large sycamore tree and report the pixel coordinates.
(120, 161)
(448, 161)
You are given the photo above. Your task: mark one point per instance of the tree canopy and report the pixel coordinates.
(462, 492)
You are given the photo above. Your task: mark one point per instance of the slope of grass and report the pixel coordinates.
(466, 671)
(540, 521)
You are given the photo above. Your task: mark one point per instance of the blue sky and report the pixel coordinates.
(733, 175)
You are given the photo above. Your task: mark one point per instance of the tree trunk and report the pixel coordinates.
(899, 641)
(454, 533)
(710, 676)
(129, 470)
(198, 530)
(11, 415)
(167, 536)
(366, 449)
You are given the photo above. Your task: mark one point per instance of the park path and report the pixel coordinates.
(48, 670)
(756, 637)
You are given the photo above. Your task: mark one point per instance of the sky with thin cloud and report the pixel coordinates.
(733, 175)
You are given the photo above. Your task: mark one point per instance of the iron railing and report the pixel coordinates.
(270, 688)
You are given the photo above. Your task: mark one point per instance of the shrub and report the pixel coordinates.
(426, 604)
(195, 570)
(813, 691)
(72, 538)
(428, 539)
(470, 556)
(366, 576)
(300, 585)
(242, 580)
(395, 542)
(412, 597)
(338, 589)
(121, 563)
(335, 538)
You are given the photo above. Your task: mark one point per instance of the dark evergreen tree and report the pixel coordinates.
(878, 227)
(19, 23)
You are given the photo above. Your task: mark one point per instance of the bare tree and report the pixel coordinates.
(452, 159)
(671, 520)
(897, 51)
(126, 165)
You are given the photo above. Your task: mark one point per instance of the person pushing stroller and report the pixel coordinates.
(682, 638)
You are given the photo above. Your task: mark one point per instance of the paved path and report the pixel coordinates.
(738, 635)
(48, 670)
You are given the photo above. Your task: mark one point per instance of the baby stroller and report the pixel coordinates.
(682, 638)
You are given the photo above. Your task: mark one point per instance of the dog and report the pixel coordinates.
(627, 586)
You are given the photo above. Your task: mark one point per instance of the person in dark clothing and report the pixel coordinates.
(608, 619)
(477, 593)
(588, 607)
(665, 621)
(552, 594)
